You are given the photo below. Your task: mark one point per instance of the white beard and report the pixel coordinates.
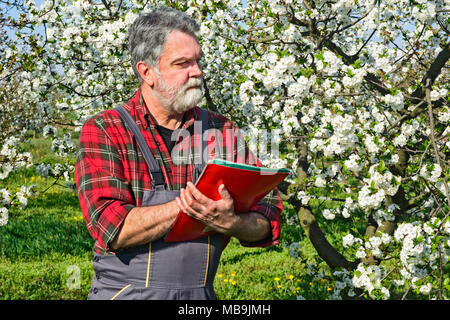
(180, 99)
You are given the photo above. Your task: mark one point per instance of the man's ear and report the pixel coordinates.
(146, 72)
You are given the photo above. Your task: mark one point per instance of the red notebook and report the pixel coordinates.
(247, 185)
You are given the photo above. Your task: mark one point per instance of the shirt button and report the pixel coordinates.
(95, 290)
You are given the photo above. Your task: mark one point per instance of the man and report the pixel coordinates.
(131, 189)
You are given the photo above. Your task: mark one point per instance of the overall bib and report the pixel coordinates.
(159, 270)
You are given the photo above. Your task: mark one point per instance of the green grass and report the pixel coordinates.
(46, 245)
(252, 273)
(45, 277)
(42, 242)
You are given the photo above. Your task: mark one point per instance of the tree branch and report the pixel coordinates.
(433, 140)
(417, 97)
(432, 73)
(209, 101)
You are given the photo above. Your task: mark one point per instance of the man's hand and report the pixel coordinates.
(220, 215)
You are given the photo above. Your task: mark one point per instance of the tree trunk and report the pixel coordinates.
(325, 250)
(309, 223)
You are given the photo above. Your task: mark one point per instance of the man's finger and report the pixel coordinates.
(197, 194)
(223, 191)
(190, 203)
(184, 207)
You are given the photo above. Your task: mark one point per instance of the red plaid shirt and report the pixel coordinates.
(111, 173)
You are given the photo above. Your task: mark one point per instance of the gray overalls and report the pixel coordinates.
(159, 270)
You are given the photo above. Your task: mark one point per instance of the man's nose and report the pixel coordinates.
(196, 70)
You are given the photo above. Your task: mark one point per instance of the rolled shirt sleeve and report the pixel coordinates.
(104, 194)
(272, 212)
(270, 206)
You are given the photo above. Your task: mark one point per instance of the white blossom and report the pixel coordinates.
(3, 216)
(328, 214)
(348, 240)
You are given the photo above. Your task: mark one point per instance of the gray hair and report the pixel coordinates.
(147, 35)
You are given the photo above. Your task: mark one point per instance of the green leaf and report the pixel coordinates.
(372, 187)
(357, 64)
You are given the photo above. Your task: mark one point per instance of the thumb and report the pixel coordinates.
(223, 191)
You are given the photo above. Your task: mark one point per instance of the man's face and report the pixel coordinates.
(178, 83)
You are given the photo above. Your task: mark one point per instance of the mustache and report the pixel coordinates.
(193, 82)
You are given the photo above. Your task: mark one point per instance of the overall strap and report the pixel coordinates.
(199, 166)
(204, 120)
(154, 168)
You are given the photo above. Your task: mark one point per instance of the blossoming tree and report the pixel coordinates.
(355, 90)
